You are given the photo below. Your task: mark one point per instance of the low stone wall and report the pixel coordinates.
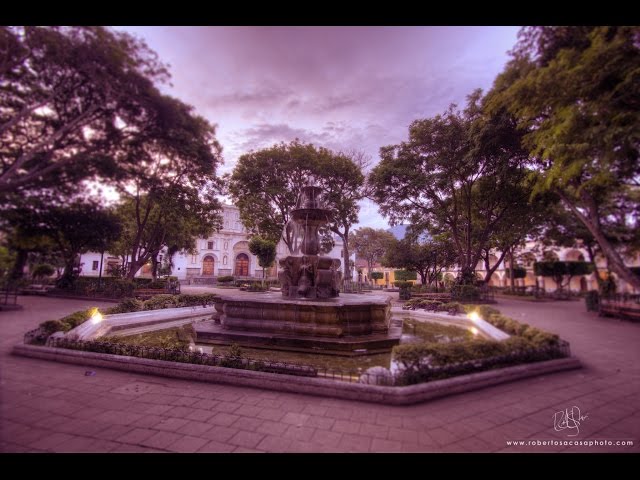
(312, 386)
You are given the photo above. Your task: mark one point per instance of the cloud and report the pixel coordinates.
(338, 87)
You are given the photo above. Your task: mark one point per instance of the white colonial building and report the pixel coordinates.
(223, 253)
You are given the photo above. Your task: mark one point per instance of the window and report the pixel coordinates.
(95, 265)
(210, 245)
(194, 259)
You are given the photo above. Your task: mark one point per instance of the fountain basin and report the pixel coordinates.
(347, 325)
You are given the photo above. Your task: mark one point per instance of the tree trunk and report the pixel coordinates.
(492, 270)
(592, 223)
(347, 265)
(592, 259)
(511, 272)
(154, 267)
(17, 271)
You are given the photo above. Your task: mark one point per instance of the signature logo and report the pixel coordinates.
(568, 419)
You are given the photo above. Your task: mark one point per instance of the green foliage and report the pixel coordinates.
(405, 290)
(225, 279)
(42, 270)
(125, 306)
(265, 186)
(465, 293)
(178, 338)
(435, 332)
(573, 92)
(265, 250)
(377, 275)
(404, 275)
(460, 173)
(67, 323)
(558, 270)
(371, 245)
(59, 82)
(183, 300)
(518, 272)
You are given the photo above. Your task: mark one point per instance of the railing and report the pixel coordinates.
(418, 374)
(621, 305)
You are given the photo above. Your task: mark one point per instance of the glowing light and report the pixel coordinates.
(96, 316)
(474, 317)
(473, 330)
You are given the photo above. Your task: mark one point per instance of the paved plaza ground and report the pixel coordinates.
(54, 407)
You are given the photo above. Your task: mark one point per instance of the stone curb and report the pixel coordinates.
(303, 385)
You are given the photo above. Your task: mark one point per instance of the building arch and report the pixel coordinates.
(241, 267)
(208, 265)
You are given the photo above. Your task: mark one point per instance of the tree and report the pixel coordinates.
(371, 244)
(558, 270)
(265, 186)
(462, 174)
(76, 228)
(172, 218)
(68, 96)
(575, 94)
(265, 250)
(341, 176)
(427, 257)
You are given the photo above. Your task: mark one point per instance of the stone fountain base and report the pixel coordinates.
(347, 325)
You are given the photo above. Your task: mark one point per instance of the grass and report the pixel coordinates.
(177, 337)
(435, 332)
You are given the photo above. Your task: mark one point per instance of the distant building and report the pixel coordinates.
(223, 253)
(528, 255)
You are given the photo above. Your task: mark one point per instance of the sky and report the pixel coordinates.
(342, 88)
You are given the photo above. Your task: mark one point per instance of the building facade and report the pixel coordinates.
(525, 258)
(223, 253)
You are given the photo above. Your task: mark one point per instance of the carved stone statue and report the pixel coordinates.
(305, 274)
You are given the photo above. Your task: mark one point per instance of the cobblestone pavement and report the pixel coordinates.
(54, 407)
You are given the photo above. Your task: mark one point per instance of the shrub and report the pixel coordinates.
(161, 301)
(465, 293)
(404, 275)
(42, 270)
(225, 279)
(377, 275)
(127, 305)
(405, 290)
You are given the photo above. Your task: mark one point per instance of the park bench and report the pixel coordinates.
(620, 308)
(35, 288)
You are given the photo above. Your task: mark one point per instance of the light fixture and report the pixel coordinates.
(473, 316)
(96, 316)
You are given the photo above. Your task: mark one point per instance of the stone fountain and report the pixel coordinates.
(309, 314)
(305, 274)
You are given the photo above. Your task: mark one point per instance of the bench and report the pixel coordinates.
(36, 288)
(628, 310)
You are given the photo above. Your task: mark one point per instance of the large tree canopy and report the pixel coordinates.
(461, 173)
(68, 96)
(575, 92)
(372, 244)
(265, 186)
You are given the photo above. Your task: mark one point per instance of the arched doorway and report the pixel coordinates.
(242, 265)
(207, 265)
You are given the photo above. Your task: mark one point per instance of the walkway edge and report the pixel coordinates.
(303, 385)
